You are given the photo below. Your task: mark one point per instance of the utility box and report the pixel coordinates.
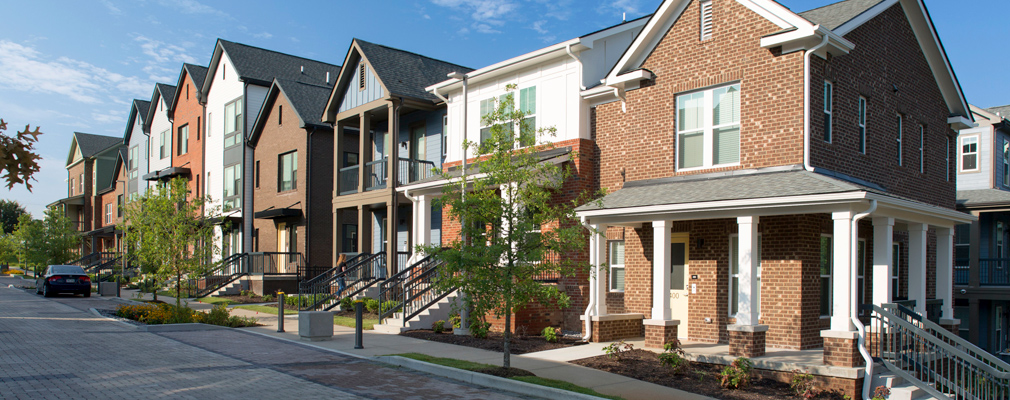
(107, 289)
(315, 326)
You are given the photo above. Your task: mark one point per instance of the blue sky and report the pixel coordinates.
(75, 66)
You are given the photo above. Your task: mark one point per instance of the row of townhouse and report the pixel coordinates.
(774, 178)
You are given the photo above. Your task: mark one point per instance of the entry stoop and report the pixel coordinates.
(900, 389)
(423, 320)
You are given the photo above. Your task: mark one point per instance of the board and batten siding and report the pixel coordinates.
(980, 179)
(225, 88)
(139, 140)
(354, 97)
(159, 124)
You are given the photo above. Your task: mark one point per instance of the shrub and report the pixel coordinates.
(673, 357)
(346, 304)
(551, 334)
(389, 305)
(438, 326)
(268, 298)
(372, 305)
(217, 316)
(163, 313)
(455, 320)
(881, 393)
(615, 350)
(803, 385)
(736, 375)
(479, 329)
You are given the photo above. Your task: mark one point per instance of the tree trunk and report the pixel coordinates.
(154, 288)
(507, 363)
(178, 287)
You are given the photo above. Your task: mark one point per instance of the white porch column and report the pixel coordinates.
(883, 246)
(841, 277)
(917, 266)
(422, 214)
(598, 259)
(945, 270)
(747, 311)
(661, 261)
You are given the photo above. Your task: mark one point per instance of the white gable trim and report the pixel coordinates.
(867, 15)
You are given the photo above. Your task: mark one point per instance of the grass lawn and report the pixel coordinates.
(366, 324)
(536, 380)
(215, 300)
(265, 309)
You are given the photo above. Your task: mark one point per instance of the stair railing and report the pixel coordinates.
(229, 270)
(326, 275)
(415, 290)
(326, 294)
(931, 358)
(391, 289)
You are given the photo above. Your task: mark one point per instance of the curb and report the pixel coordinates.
(485, 380)
(99, 315)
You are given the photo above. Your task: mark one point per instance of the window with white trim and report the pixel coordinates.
(969, 153)
(828, 98)
(232, 187)
(488, 107)
(860, 273)
(922, 149)
(899, 140)
(165, 144)
(708, 128)
(445, 135)
(233, 123)
(80, 182)
(108, 212)
(706, 19)
(734, 276)
(527, 102)
(1006, 162)
(71, 186)
(862, 124)
(287, 174)
(616, 265)
(827, 263)
(183, 140)
(896, 270)
(210, 126)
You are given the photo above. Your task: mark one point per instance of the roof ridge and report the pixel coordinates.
(411, 52)
(276, 52)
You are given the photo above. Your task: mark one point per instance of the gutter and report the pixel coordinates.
(806, 102)
(568, 49)
(592, 288)
(853, 312)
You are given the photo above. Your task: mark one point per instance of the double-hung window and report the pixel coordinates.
(232, 187)
(445, 136)
(862, 124)
(183, 140)
(80, 182)
(708, 128)
(616, 265)
(233, 123)
(108, 212)
(860, 273)
(165, 144)
(287, 174)
(488, 107)
(528, 126)
(1006, 162)
(734, 276)
(71, 186)
(969, 153)
(133, 158)
(827, 262)
(828, 95)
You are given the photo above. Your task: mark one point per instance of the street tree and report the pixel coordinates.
(515, 225)
(18, 159)
(10, 210)
(51, 240)
(167, 233)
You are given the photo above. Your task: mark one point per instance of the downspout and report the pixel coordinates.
(806, 102)
(568, 49)
(853, 273)
(592, 288)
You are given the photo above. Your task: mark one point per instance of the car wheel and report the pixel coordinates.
(38, 289)
(87, 294)
(45, 291)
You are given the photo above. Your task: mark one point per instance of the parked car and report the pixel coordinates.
(63, 279)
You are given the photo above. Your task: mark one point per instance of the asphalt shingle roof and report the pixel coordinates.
(405, 73)
(1003, 111)
(834, 15)
(264, 65)
(197, 72)
(91, 144)
(308, 100)
(167, 93)
(143, 106)
(980, 197)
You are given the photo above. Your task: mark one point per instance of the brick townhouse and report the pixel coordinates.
(770, 171)
(91, 169)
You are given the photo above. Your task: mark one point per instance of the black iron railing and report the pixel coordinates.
(413, 289)
(275, 263)
(227, 271)
(304, 285)
(348, 180)
(994, 271)
(962, 272)
(326, 294)
(411, 170)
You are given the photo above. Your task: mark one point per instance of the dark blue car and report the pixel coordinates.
(63, 279)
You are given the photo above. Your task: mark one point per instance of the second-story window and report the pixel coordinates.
(708, 128)
(71, 186)
(862, 124)
(232, 187)
(947, 158)
(108, 212)
(899, 139)
(119, 206)
(445, 136)
(80, 182)
(1006, 162)
(183, 140)
(287, 171)
(528, 105)
(233, 123)
(828, 95)
(922, 149)
(969, 153)
(488, 107)
(164, 144)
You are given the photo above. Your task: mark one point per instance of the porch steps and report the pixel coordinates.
(232, 289)
(900, 389)
(423, 320)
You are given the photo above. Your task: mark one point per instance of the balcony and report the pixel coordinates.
(962, 272)
(348, 181)
(376, 172)
(411, 170)
(994, 271)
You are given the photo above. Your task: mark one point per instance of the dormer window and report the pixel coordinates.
(361, 76)
(706, 19)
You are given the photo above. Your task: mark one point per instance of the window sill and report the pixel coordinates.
(695, 169)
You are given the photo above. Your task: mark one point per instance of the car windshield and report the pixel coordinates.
(66, 269)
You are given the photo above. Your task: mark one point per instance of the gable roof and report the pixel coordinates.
(161, 91)
(1003, 111)
(307, 100)
(197, 74)
(835, 15)
(260, 66)
(138, 109)
(91, 145)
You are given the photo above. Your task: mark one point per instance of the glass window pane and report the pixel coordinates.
(734, 296)
(734, 262)
(861, 257)
(726, 145)
(617, 279)
(827, 97)
(726, 105)
(617, 252)
(528, 132)
(691, 148)
(679, 258)
(968, 161)
(528, 100)
(690, 111)
(229, 118)
(826, 255)
(825, 296)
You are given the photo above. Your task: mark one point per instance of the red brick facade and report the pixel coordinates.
(842, 352)
(610, 330)
(746, 344)
(189, 113)
(658, 335)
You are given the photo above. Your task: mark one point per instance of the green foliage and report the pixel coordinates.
(479, 329)
(455, 320)
(438, 326)
(52, 240)
(737, 374)
(10, 211)
(390, 305)
(551, 334)
(372, 305)
(673, 356)
(167, 231)
(158, 314)
(268, 298)
(615, 350)
(881, 393)
(346, 304)
(18, 160)
(803, 385)
(502, 248)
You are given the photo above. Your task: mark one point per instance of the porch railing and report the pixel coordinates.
(413, 289)
(994, 271)
(348, 180)
(402, 258)
(962, 272)
(375, 174)
(933, 308)
(411, 170)
(275, 263)
(227, 271)
(305, 285)
(326, 294)
(933, 359)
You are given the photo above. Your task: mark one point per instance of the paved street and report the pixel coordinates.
(55, 349)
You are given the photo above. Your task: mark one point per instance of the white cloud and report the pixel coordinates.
(111, 7)
(192, 7)
(263, 35)
(26, 69)
(620, 6)
(539, 27)
(486, 15)
(108, 116)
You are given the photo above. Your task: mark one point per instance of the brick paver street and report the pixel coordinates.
(56, 349)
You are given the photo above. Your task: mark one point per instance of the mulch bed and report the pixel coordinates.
(505, 372)
(493, 342)
(700, 378)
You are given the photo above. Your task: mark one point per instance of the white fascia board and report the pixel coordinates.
(775, 13)
(437, 184)
(804, 39)
(636, 76)
(958, 123)
(945, 216)
(657, 27)
(589, 39)
(867, 15)
(731, 204)
(513, 63)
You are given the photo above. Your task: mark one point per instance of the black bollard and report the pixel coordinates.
(357, 324)
(280, 311)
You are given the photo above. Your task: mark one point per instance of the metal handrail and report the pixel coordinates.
(413, 289)
(392, 288)
(347, 180)
(232, 274)
(357, 277)
(941, 333)
(329, 273)
(375, 179)
(413, 170)
(911, 348)
(994, 271)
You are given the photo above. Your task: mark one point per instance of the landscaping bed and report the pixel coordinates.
(518, 345)
(162, 313)
(700, 378)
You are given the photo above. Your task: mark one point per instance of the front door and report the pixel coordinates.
(679, 281)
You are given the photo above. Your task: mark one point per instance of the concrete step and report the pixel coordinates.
(232, 289)
(423, 320)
